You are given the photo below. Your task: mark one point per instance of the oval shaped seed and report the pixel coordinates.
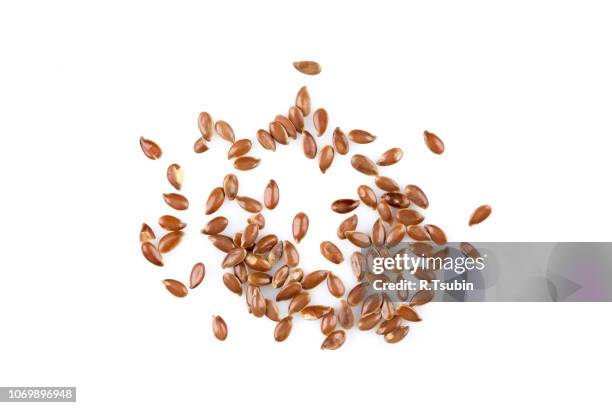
(390, 157)
(422, 249)
(295, 275)
(302, 100)
(372, 303)
(296, 116)
(257, 219)
(307, 67)
(335, 285)
(358, 265)
(276, 253)
(219, 328)
(469, 250)
(345, 315)
(416, 195)
(175, 176)
(407, 313)
(329, 322)
(280, 276)
(278, 132)
(344, 205)
(422, 297)
(176, 201)
(387, 310)
(259, 279)
(309, 145)
(480, 214)
(397, 334)
(340, 141)
(237, 238)
(367, 196)
(349, 224)
(384, 211)
(331, 252)
(334, 340)
(288, 125)
(361, 136)
(386, 183)
(379, 233)
(368, 321)
(197, 275)
(151, 253)
(314, 312)
(215, 200)
(175, 287)
(389, 325)
(395, 235)
(364, 165)
(357, 294)
(241, 272)
(408, 216)
(326, 157)
(249, 204)
(283, 329)
(205, 124)
(171, 223)
(299, 302)
(272, 311)
(436, 234)
(300, 226)
(234, 257)
(230, 186)
(271, 195)
(395, 199)
(258, 262)
(402, 294)
(289, 291)
(146, 233)
(239, 148)
(215, 226)
(265, 244)
(200, 146)
(320, 120)
(313, 279)
(150, 148)
(249, 236)
(224, 130)
(291, 254)
(360, 239)
(266, 140)
(246, 163)
(222, 242)
(417, 232)
(258, 302)
(170, 241)
(433, 142)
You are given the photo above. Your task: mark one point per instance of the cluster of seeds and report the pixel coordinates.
(257, 260)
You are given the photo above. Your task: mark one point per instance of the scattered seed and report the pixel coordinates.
(266, 140)
(171, 223)
(368, 321)
(320, 120)
(334, 340)
(340, 141)
(408, 216)
(367, 196)
(289, 291)
(288, 125)
(313, 279)
(224, 130)
(417, 232)
(278, 132)
(395, 235)
(416, 195)
(309, 145)
(280, 276)
(259, 279)
(372, 303)
(200, 146)
(437, 235)
(258, 302)
(345, 315)
(276, 253)
(326, 157)
(297, 118)
(395, 199)
(299, 302)
(291, 254)
(219, 328)
(357, 294)
(361, 136)
(150, 148)
(170, 241)
(387, 310)
(230, 186)
(239, 148)
(469, 250)
(151, 253)
(349, 224)
(358, 265)
(331, 252)
(175, 287)
(271, 195)
(386, 183)
(205, 124)
(272, 311)
(407, 313)
(249, 204)
(397, 334)
(379, 233)
(344, 205)
(215, 200)
(384, 211)
(215, 226)
(314, 312)
(146, 233)
(222, 242)
(364, 165)
(175, 176)
(300, 226)
(234, 257)
(389, 325)
(241, 272)
(258, 219)
(390, 157)
(258, 263)
(249, 236)
(246, 163)
(480, 214)
(295, 275)
(402, 294)
(422, 297)
(265, 244)
(176, 201)
(302, 100)
(283, 329)
(335, 285)
(329, 322)
(307, 67)
(360, 239)
(433, 142)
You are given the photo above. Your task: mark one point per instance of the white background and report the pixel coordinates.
(520, 93)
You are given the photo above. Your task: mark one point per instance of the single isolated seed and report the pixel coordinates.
(171, 223)
(361, 136)
(215, 226)
(175, 287)
(300, 226)
(433, 142)
(364, 165)
(271, 195)
(146, 233)
(239, 148)
(480, 214)
(344, 205)
(219, 328)
(314, 312)
(340, 141)
(416, 195)
(176, 201)
(246, 163)
(345, 315)
(150, 148)
(249, 204)
(360, 239)
(200, 146)
(302, 101)
(296, 116)
(335, 285)
(291, 254)
(151, 254)
(278, 132)
(334, 340)
(266, 140)
(349, 224)
(307, 67)
(283, 328)
(320, 120)
(170, 241)
(215, 200)
(197, 275)
(230, 186)
(390, 157)
(329, 322)
(326, 157)
(309, 145)
(437, 235)
(386, 183)
(288, 125)
(313, 279)
(367, 196)
(232, 283)
(331, 252)
(175, 176)
(205, 124)
(224, 130)
(408, 216)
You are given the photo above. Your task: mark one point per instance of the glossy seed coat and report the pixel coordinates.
(390, 157)
(433, 142)
(320, 120)
(197, 275)
(331, 252)
(300, 226)
(177, 201)
(344, 205)
(364, 165)
(225, 131)
(175, 287)
(246, 163)
(349, 224)
(307, 67)
(326, 157)
(480, 214)
(271, 195)
(150, 148)
(219, 328)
